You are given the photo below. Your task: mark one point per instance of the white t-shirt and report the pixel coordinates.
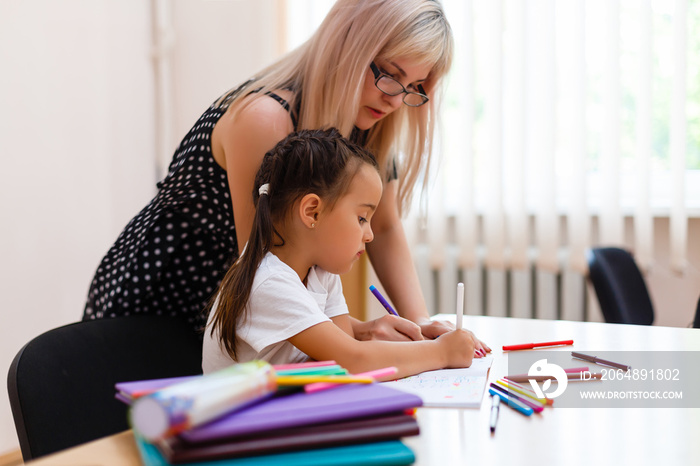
(279, 308)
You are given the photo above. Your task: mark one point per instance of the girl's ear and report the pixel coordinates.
(310, 209)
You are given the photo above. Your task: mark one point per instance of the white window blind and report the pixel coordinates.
(564, 122)
(565, 101)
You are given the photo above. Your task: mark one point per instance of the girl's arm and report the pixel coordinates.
(239, 146)
(330, 341)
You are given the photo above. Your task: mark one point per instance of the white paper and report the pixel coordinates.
(454, 388)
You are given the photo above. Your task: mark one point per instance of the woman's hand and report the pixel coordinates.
(388, 328)
(432, 329)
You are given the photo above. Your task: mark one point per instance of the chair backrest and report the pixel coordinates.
(619, 286)
(61, 383)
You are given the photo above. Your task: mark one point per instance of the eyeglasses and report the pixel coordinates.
(390, 86)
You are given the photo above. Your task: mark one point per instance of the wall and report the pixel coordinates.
(76, 124)
(77, 138)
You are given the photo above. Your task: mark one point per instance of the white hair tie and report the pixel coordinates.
(264, 189)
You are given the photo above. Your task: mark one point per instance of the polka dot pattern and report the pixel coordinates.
(171, 257)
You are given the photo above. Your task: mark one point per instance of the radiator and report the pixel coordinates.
(530, 293)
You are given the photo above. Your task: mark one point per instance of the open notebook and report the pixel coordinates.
(454, 388)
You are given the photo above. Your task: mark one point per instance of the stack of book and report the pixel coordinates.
(253, 414)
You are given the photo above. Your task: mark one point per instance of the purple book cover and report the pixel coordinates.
(140, 387)
(363, 430)
(300, 409)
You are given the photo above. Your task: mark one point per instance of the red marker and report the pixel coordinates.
(537, 345)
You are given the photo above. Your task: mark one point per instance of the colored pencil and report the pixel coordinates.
(307, 379)
(460, 305)
(495, 404)
(315, 387)
(321, 370)
(525, 346)
(576, 370)
(382, 300)
(535, 405)
(297, 365)
(519, 389)
(522, 378)
(526, 390)
(602, 362)
(512, 402)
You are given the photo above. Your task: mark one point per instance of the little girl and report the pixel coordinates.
(315, 195)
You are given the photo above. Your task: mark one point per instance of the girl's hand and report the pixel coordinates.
(480, 348)
(388, 328)
(458, 347)
(434, 328)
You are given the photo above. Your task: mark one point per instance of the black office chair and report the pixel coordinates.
(696, 321)
(619, 286)
(61, 383)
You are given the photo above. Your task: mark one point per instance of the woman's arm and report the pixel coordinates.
(391, 259)
(239, 146)
(388, 327)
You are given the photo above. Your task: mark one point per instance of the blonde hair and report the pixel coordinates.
(327, 73)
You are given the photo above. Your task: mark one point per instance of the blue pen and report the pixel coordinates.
(536, 406)
(381, 299)
(512, 402)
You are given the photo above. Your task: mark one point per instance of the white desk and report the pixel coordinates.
(619, 436)
(642, 436)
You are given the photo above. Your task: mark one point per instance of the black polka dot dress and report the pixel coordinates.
(171, 257)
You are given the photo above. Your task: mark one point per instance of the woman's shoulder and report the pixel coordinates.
(253, 124)
(259, 108)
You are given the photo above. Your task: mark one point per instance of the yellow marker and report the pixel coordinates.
(307, 379)
(521, 391)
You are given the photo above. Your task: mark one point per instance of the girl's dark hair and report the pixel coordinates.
(322, 162)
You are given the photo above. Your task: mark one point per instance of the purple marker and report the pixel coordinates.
(381, 299)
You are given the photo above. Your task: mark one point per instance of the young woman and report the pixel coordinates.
(371, 70)
(314, 195)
